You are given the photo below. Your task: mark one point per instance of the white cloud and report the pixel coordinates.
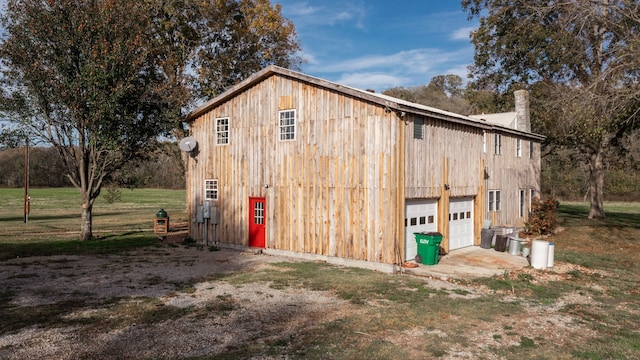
(301, 9)
(415, 60)
(305, 15)
(404, 68)
(371, 80)
(462, 33)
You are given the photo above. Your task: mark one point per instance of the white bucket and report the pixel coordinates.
(539, 254)
(550, 255)
(526, 251)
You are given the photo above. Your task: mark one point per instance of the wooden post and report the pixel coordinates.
(26, 180)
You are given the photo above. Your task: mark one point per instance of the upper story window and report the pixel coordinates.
(211, 189)
(484, 142)
(518, 148)
(287, 124)
(222, 131)
(418, 129)
(494, 200)
(498, 144)
(531, 144)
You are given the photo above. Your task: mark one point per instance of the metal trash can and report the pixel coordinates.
(486, 238)
(515, 244)
(501, 243)
(428, 247)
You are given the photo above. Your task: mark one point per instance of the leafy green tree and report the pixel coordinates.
(443, 92)
(582, 60)
(100, 79)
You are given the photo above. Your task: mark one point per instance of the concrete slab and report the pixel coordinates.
(470, 263)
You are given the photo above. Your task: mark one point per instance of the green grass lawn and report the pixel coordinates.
(55, 213)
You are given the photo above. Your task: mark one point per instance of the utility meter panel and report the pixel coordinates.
(200, 214)
(214, 215)
(206, 211)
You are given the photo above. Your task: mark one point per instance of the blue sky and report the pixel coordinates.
(380, 44)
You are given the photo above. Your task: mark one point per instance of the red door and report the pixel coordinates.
(257, 211)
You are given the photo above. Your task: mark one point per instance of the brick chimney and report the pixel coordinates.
(522, 110)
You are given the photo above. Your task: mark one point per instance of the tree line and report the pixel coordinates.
(162, 168)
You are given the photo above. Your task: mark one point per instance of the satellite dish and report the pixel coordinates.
(188, 144)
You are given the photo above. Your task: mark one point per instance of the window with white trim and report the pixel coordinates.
(222, 131)
(522, 197)
(532, 194)
(494, 200)
(211, 189)
(484, 142)
(531, 147)
(497, 144)
(518, 148)
(418, 129)
(287, 124)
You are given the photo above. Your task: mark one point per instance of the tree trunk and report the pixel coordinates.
(596, 184)
(86, 232)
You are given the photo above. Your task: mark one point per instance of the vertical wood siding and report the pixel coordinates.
(449, 154)
(332, 191)
(339, 188)
(509, 174)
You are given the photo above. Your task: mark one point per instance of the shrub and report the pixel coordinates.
(542, 219)
(113, 195)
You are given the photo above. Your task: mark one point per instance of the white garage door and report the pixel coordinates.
(460, 223)
(420, 215)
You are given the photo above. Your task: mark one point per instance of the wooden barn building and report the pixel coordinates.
(302, 166)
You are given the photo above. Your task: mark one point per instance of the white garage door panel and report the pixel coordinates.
(460, 223)
(420, 215)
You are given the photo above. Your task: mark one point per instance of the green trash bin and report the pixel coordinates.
(428, 247)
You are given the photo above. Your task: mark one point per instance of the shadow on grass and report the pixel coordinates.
(576, 215)
(111, 245)
(64, 216)
(13, 318)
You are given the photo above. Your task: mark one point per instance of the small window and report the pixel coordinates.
(222, 131)
(211, 189)
(461, 215)
(430, 219)
(484, 142)
(498, 144)
(414, 221)
(258, 213)
(287, 125)
(532, 195)
(423, 220)
(518, 148)
(455, 216)
(494, 200)
(418, 129)
(468, 214)
(531, 145)
(522, 200)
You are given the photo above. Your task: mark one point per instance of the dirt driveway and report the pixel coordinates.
(174, 303)
(77, 288)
